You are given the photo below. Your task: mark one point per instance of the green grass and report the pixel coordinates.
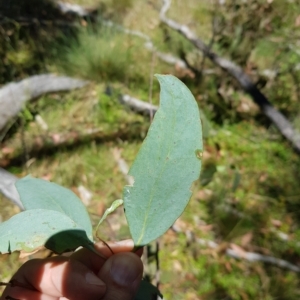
(102, 56)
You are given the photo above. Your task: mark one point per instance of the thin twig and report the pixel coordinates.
(112, 252)
(212, 40)
(165, 57)
(157, 273)
(151, 84)
(25, 156)
(122, 165)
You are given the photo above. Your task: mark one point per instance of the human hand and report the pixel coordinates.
(83, 275)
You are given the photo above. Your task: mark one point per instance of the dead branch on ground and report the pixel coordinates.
(56, 13)
(149, 45)
(8, 189)
(14, 96)
(276, 117)
(138, 105)
(122, 165)
(49, 142)
(75, 9)
(251, 256)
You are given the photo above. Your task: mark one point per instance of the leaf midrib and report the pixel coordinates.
(158, 177)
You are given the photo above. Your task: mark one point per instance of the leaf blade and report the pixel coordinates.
(31, 229)
(41, 194)
(166, 165)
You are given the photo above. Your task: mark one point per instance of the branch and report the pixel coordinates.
(138, 105)
(56, 12)
(74, 9)
(122, 165)
(165, 57)
(8, 189)
(13, 96)
(278, 119)
(47, 143)
(251, 256)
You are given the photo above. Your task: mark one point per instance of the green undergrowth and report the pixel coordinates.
(107, 54)
(250, 189)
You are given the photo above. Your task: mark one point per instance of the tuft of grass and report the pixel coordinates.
(105, 55)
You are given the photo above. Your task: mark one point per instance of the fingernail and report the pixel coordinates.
(123, 272)
(91, 278)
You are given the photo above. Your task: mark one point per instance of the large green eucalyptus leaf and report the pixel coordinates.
(166, 165)
(38, 193)
(32, 228)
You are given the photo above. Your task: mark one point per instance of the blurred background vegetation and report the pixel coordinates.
(248, 195)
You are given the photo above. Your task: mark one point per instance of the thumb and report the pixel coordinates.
(122, 274)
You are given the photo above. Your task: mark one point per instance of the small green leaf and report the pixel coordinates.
(38, 193)
(31, 229)
(111, 209)
(167, 164)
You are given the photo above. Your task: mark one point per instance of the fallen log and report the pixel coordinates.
(276, 117)
(14, 96)
(49, 142)
(138, 105)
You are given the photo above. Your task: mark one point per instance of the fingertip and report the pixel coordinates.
(126, 268)
(122, 274)
(79, 282)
